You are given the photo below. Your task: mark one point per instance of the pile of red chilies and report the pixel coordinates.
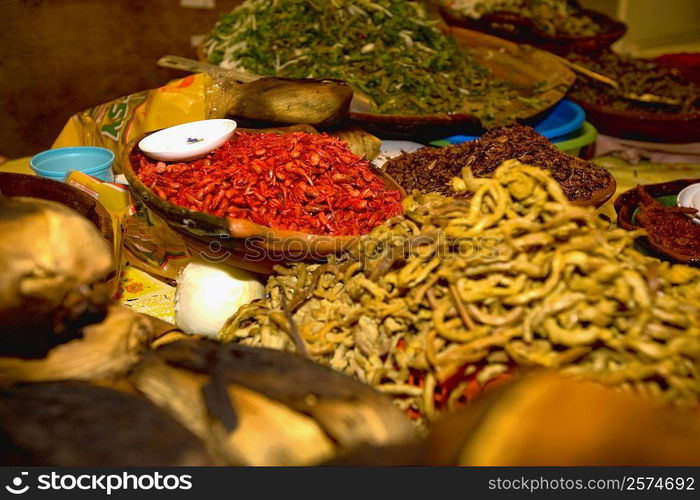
(298, 181)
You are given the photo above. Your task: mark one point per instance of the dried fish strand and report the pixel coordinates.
(548, 285)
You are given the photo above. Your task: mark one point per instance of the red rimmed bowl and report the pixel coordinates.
(521, 29)
(237, 242)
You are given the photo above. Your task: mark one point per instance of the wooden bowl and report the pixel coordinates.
(626, 206)
(521, 29)
(642, 125)
(237, 242)
(39, 187)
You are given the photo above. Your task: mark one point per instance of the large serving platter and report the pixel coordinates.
(540, 79)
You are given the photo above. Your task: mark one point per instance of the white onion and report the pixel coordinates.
(208, 294)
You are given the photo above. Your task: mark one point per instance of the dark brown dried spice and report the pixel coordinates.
(634, 76)
(432, 169)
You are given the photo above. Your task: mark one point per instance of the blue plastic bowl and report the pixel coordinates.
(565, 118)
(56, 164)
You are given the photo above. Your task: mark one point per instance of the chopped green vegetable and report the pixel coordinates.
(390, 49)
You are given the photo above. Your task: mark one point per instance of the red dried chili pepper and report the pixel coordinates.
(307, 182)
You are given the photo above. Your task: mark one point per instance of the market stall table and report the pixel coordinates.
(146, 294)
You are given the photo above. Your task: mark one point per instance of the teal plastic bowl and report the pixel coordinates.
(56, 164)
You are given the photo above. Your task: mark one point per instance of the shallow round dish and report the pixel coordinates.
(627, 204)
(187, 141)
(640, 125)
(580, 143)
(56, 164)
(237, 242)
(690, 197)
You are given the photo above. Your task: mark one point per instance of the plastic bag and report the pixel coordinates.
(113, 124)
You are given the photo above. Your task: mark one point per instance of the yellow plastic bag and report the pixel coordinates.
(113, 124)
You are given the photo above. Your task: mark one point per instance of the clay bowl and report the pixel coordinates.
(39, 187)
(641, 125)
(521, 29)
(236, 242)
(626, 206)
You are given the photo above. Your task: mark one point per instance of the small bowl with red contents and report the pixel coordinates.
(266, 198)
(671, 234)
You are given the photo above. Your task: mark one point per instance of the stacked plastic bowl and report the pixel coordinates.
(565, 125)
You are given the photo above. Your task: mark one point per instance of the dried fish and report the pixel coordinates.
(263, 407)
(466, 290)
(52, 261)
(74, 424)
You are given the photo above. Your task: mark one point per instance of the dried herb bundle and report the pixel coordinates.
(432, 169)
(460, 291)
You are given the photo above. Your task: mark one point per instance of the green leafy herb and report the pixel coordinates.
(390, 49)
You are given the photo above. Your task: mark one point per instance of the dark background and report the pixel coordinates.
(58, 57)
